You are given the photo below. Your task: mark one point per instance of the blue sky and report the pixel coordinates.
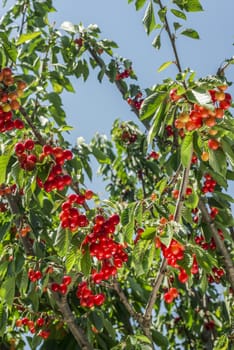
(95, 106)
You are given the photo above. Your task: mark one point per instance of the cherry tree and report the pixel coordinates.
(151, 266)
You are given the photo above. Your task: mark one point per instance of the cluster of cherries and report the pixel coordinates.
(201, 116)
(123, 75)
(10, 92)
(70, 216)
(173, 253)
(170, 295)
(34, 276)
(56, 179)
(34, 326)
(110, 254)
(200, 240)
(87, 297)
(62, 287)
(209, 184)
(26, 157)
(5, 190)
(137, 101)
(216, 275)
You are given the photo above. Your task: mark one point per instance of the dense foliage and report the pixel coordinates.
(151, 267)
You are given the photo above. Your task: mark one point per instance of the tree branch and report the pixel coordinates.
(177, 215)
(71, 322)
(35, 131)
(15, 210)
(229, 266)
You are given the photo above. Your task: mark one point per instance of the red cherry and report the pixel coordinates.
(213, 144)
(183, 277)
(67, 280)
(40, 322)
(63, 288)
(38, 275)
(19, 124)
(99, 299)
(25, 321)
(19, 148)
(29, 144)
(88, 194)
(47, 149)
(55, 287)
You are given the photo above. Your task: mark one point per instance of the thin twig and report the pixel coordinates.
(229, 266)
(172, 39)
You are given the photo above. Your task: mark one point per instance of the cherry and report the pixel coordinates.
(213, 144)
(66, 280)
(55, 287)
(29, 144)
(19, 148)
(63, 288)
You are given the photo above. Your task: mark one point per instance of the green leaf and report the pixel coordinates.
(199, 96)
(71, 258)
(150, 105)
(218, 161)
(85, 263)
(7, 291)
(139, 4)
(221, 343)
(62, 241)
(128, 231)
(192, 200)
(4, 159)
(27, 37)
(186, 149)
(149, 19)
(3, 319)
(191, 33)
(149, 233)
(157, 42)
(156, 124)
(100, 156)
(9, 47)
(193, 6)
(160, 339)
(179, 14)
(23, 282)
(177, 25)
(4, 228)
(164, 66)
